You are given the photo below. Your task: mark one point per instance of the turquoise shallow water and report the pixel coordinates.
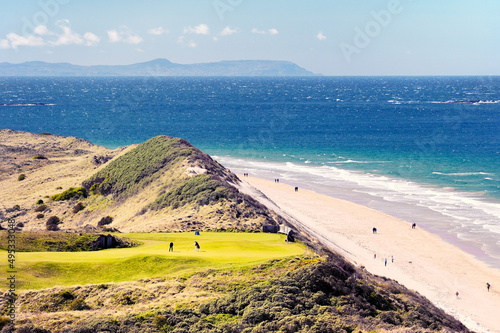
(424, 148)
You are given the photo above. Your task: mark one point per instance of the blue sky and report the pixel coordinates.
(332, 37)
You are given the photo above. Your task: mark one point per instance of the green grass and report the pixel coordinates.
(137, 168)
(38, 270)
(79, 192)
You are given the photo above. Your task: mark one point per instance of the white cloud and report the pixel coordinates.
(158, 31)
(133, 39)
(4, 44)
(114, 36)
(228, 31)
(320, 36)
(123, 35)
(16, 40)
(215, 39)
(272, 31)
(68, 37)
(91, 39)
(42, 30)
(201, 29)
(257, 31)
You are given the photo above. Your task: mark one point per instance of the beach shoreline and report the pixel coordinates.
(468, 221)
(416, 258)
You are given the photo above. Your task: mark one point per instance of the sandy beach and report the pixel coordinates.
(414, 257)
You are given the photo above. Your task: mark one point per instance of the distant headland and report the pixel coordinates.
(159, 67)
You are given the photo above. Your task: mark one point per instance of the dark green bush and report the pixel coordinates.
(52, 227)
(4, 321)
(52, 223)
(39, 157)
(105, 221)
(78, 305)
(21, 177)
(78, 207)
(66, 294)
(79, 192)
(40, 208)
(39, 202)
(40, 216)
(94, 189)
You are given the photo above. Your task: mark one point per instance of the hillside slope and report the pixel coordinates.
(163, 184)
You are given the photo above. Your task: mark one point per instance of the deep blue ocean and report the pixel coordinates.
(424, 149)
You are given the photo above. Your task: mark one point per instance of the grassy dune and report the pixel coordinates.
(38, 270)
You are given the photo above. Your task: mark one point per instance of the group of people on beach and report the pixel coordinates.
(414, 226)
(488, 286)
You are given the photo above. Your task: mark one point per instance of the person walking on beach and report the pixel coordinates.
(457, 294)
(488, 286)
(385, 261)
(171, 248)
(414, 225)
(196, 246)
(374, 230)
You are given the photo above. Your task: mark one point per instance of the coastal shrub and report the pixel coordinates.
(200, 189)
(78, 305)
(15, 208)
(78, 192)
(52, 227)
(94, 189)
(40, 216)
(66, 294)
(78, 207)
(132, 171)
(59, 188)
(31, 329)
(53, 220)
(39, 157)
(21, 177)
(40, 208)
(4, 321)
(105, 221)
(52, 223)
(39, 202)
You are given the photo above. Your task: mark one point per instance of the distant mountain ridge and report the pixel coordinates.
(158, 67)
